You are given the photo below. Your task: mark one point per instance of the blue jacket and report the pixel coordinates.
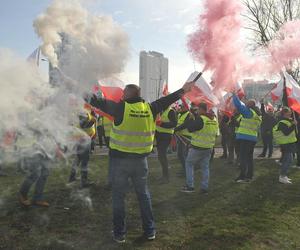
(246, 113)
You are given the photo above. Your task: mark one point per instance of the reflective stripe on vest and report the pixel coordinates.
(181, 120)
(206, 137)
(249, 126)
(165, 118)
(107, 125)
(282, 139)
(238, 120)
(136, 132)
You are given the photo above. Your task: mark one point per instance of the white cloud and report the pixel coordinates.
(188, 29)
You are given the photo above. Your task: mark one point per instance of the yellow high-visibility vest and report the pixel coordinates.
(91, 131)
(136, 132)
(206, 137)
(181, 120)
(249, 126)
(282, 139)
(238, 119)
(165, 118)
(107, 125)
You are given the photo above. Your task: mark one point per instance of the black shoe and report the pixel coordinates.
(186, 189)
(204, 191)
(119, 239)
(261, 156)
(72, 177)
(270, 156)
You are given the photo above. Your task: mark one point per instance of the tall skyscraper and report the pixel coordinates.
(154, 69)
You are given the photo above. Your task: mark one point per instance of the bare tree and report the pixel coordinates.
(265, 17)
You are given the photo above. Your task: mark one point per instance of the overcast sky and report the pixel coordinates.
(160, 25)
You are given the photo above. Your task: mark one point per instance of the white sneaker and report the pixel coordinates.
(284, 180)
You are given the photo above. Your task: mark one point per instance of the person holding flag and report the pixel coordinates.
(285, 136)
(247, 136)
(131, 141)
(268, 122)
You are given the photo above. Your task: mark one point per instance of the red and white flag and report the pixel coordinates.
(201, 92)
(276, 93)
(112, 88)
(293, 92)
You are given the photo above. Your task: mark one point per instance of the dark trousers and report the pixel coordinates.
(246, 158)
(162, 143)
(182, 151)
(101, 137)
(135, 169)
(267, 139)
(231, 147)
(298, 152)
(237, 151)
(38, 173)
(82, 157)
(287, 159)
(224, 143)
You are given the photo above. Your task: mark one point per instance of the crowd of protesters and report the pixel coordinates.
(136, 126)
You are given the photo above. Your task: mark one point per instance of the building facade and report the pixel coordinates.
(258, 89)
(153, 74)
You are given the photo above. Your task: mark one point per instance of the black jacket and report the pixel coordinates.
(116, 110)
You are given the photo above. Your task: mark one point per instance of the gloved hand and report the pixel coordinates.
(158, 122)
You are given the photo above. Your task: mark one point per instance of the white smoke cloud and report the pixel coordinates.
(22, 88)
(94, 47)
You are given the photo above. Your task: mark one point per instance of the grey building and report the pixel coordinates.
(153, 74)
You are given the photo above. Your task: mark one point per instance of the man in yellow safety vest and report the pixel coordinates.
(284, 133)
(164, 131)
(247, 137)
(83, 147)
(131, 141)
(204, 130)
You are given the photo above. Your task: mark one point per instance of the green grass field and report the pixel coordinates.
(261, 215)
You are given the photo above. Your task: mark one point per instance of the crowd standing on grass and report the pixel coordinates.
(131, 129)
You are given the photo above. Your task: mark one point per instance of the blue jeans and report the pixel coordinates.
(38, 173)
(198, 157)
(287, 159)
(137, 170)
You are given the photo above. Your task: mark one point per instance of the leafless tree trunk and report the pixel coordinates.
(265, 17)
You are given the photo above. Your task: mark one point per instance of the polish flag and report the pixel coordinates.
(293, 92)
(111, 88)
(239, 90)
(276, 93)
(226, 104)
(201, 92)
